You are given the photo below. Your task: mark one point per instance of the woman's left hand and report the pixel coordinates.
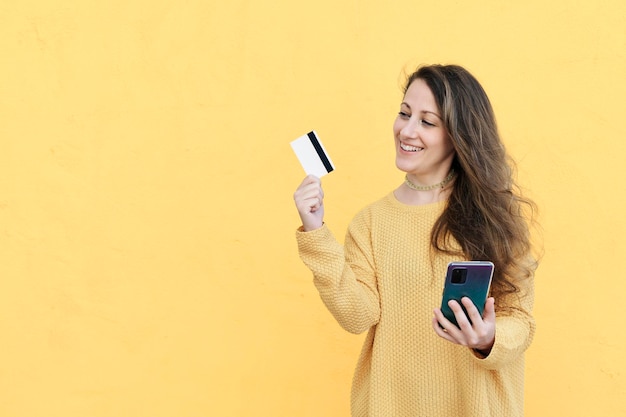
(479, 334)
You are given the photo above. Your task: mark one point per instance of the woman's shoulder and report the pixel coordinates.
(385, 209)
(384, 203)
(367, 217)
(388, 211)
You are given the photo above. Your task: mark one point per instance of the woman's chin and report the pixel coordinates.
(402, 165)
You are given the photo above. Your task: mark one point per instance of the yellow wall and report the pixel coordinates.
(147, 259)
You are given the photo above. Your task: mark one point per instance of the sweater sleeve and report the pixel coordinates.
(344, 277)
(515, 327)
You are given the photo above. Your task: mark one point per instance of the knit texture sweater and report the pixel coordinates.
(387, 280)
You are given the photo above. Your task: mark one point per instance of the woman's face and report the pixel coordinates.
(423, 147)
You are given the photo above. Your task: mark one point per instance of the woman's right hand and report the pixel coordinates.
(309, 199)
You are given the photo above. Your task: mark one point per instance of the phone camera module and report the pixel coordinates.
(459, 275)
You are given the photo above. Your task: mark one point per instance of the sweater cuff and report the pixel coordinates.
(317, 246)
(313, 237)
(512, 339)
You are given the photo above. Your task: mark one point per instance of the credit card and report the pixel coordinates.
(312, 155)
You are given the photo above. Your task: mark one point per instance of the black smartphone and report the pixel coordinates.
(466, 279)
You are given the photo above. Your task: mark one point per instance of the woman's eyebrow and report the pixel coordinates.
(404, 103)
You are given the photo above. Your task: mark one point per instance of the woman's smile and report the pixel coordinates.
(409, 148)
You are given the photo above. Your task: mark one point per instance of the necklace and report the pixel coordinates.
(441, 184)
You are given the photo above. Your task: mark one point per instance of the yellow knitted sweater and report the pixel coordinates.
(386, 280)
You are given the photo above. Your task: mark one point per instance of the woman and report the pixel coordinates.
(458, 202)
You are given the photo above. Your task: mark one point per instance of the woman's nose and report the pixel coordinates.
(409, 130)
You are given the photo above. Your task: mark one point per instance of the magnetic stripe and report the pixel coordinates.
(320, 151)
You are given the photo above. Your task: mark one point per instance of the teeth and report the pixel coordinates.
(409, 148)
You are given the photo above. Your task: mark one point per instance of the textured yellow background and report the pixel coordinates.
(147, 259)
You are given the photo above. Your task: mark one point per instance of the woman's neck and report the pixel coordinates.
(410, 197)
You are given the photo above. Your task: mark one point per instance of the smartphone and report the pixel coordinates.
(466, 279)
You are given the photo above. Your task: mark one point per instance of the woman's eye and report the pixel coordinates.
(404, 115)
(426, 122)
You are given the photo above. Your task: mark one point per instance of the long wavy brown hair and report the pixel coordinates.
(486, 213)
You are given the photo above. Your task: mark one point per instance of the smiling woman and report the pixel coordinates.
(458, 202)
